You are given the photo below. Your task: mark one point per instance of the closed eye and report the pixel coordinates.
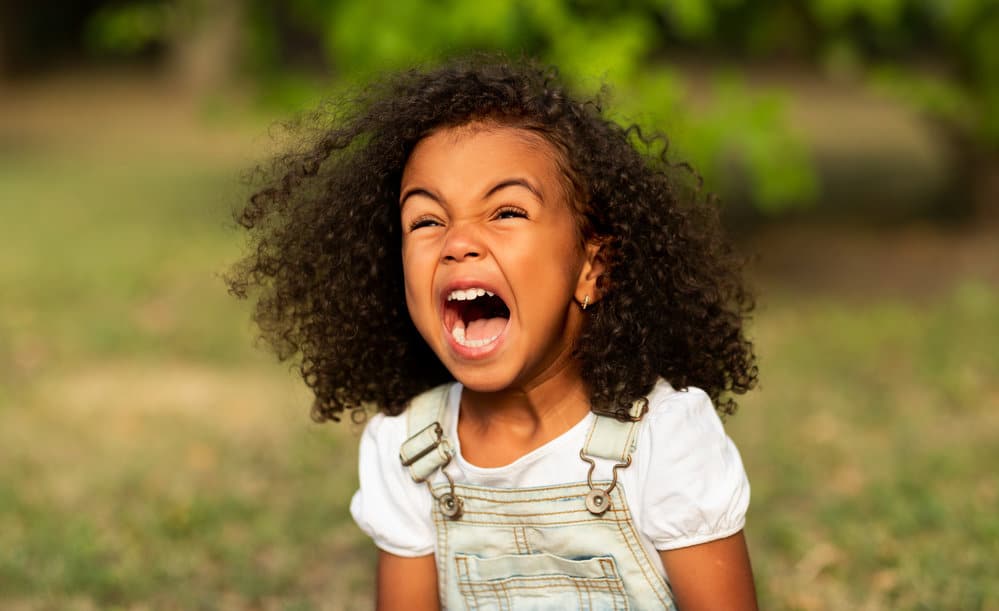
(511, 212)
(424, 221)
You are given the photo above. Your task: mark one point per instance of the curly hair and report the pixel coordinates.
(325, 259)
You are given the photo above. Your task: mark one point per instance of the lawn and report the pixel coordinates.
(151, 457)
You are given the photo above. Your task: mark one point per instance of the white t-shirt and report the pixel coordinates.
(686, 483)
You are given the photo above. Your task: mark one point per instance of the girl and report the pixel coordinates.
(542, 319)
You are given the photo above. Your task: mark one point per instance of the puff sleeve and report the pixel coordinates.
(695, 488)
(389, 506)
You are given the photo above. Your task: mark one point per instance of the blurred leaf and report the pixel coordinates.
(931, 94)
(742, 133)
(692, 19)
(128, 28)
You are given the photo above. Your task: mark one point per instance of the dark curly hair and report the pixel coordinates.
(326, 264)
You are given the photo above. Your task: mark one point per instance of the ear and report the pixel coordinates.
(594, 266)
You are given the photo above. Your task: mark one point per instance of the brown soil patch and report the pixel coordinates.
(910, 262)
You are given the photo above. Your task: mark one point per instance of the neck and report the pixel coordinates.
(546, 407)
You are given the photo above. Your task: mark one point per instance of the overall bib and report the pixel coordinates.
(571, 546)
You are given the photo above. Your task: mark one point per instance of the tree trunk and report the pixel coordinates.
(973, 190)
(205, 49)
(8, 33)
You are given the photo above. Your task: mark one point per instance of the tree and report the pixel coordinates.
(938, 56)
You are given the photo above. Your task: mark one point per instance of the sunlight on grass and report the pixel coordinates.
(150, 457)
(867, 447)
(209, 479)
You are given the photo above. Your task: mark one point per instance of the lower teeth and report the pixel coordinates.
(458, 333)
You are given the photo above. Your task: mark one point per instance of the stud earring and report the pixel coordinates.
(586, 301)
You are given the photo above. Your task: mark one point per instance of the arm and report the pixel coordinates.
(407, 584)
(713, 575)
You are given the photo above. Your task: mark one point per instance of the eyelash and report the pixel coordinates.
(423, 221)
(512, 210)
(429, 221)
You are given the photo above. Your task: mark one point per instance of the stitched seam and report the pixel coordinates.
(442, 408)
(498, 594)
(641, 565)
(543, 583)
(499, 492)
(536, 581)
(623, 450)
(545, 513)
(527, 542)
(630, 537)
(629, 441)
(471, 519)
(442, 547)
(589, 435)
(581, 513)
(469, 592)
(539, 524)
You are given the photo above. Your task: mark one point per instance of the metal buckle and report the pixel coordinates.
(598, 500)
(440, 436)
(645, 408)
(450, 504)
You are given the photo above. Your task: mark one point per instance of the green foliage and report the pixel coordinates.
(940, 57)
(126, 29)
(932, 94)
(626, 45)
(591, 44)
(895, 38)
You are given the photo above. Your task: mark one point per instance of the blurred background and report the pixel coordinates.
(152, 457)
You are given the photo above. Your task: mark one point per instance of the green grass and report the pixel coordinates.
(150, 457)
(103, 260)
(869, 447)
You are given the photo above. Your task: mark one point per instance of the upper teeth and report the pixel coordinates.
(468, 294)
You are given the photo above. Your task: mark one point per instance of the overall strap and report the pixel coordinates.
(427, 449)
(613, 439)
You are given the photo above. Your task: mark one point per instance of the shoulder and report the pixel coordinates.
(686, 410)
(683, 426)
(378, 455)
(693, 485)
(384, 430)
(389, 505)
(391, 431)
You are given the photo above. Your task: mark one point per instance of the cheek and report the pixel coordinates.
(411, 290)
(568, 252)
(420, 309)
(417, 275)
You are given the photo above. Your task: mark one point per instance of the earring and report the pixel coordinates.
(586, 301)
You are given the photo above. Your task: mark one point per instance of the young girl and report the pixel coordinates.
(542, 320)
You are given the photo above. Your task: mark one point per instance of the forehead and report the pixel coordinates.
(478, 153)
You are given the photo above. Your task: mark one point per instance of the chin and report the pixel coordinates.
(481, 381)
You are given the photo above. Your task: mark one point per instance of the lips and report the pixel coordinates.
(475, 318)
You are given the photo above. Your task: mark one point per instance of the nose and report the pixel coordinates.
(461, 243)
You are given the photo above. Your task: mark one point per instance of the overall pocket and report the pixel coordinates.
(540, 581)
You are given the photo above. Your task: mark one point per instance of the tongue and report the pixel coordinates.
(485, 328)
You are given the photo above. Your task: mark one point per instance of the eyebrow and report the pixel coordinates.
(503, 184)
(515, 182)
(417, 191)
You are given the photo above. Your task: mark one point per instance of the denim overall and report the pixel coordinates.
(571, 546)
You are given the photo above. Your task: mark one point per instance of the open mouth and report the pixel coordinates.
(475, 317)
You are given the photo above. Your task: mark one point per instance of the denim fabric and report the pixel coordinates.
(539, 548)
(534, 548)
